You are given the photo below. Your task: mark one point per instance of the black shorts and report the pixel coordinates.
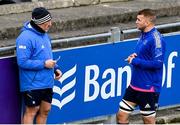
(147, 101)
(34, 97)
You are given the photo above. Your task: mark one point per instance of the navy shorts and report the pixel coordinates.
(34, 97)
(147, 101)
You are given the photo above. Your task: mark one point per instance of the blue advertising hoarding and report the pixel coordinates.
(95, 78)
(93, 82)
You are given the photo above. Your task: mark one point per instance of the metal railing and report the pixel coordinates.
(115, 34)
(162, 26)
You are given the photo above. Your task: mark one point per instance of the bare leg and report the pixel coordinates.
(29, 114)
(122, 117)
(149, 120)
(43, 112)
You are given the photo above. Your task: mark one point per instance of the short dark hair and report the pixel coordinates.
(148, 13)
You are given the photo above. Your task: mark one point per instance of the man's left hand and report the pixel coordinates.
(58, 74)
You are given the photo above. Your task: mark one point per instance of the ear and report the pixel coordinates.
(147, 21)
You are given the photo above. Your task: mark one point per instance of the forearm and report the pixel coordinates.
(31, 64)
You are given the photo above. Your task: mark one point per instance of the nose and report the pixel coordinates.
(136, 21)
(50, 23)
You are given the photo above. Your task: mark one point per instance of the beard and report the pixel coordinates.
(141, 28)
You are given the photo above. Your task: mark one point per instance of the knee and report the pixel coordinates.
(149, 120)
(125, 109)
(149, 117)
(122, 118)
(119, 115)
(45, 112)
(31, 111)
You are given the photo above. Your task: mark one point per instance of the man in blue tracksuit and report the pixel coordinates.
(147, 68)
(36, 66)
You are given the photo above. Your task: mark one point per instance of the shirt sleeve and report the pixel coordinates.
(24, 51)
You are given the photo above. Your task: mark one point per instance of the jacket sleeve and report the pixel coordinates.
(157, 58)
(24, 51)
(145, 64)
(56, 67)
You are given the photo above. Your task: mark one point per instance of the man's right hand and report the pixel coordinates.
(50, 63)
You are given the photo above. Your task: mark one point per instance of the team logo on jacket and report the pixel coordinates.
(65, 87)
(22, 47)
(145, 42)
(42, 47)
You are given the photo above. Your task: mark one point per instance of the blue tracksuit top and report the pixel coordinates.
(147, 67)
(32, 49)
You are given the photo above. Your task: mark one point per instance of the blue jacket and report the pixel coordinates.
(148, 65)
(32, 49)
